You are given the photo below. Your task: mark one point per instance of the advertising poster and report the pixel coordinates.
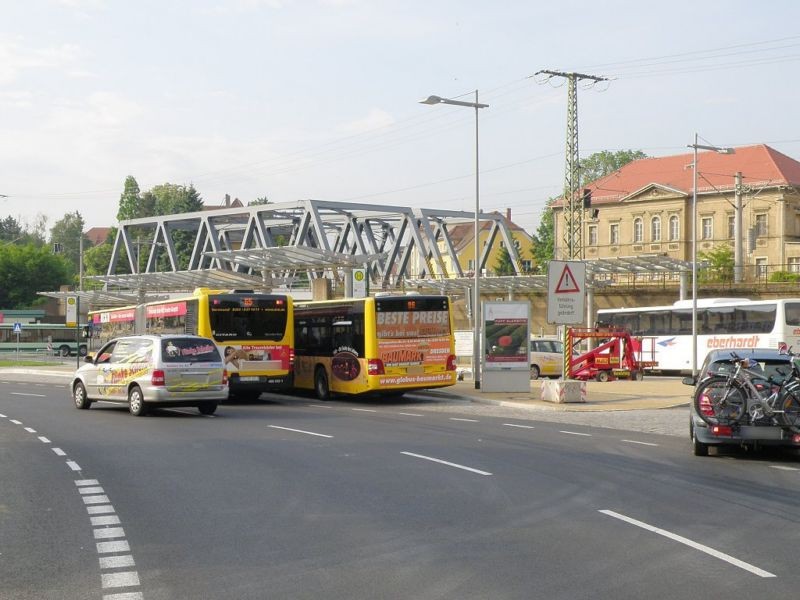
(506, 335)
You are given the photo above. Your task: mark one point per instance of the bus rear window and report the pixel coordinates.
(793, 314)
(235, 317)
(412, 317)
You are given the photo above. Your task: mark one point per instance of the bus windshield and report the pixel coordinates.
(410, 317)
(236, 317)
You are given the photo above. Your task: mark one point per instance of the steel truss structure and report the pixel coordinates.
(274, 243)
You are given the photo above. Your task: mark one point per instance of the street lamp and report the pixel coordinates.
(476, 293)
(718, 150)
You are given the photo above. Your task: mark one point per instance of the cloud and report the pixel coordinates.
(15, 58)
(375, 120)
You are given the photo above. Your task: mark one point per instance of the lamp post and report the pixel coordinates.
(718, 150)
(476, 292)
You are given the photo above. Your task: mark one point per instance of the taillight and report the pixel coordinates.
(224, 376)
(796, 438)
(705, 406)
(157, 378)
(375, 366)
(451, 362)
(721, 430)
(291, 359)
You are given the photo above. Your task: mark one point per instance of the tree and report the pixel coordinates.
(174, 199)
(602, 163)
(258, 201)
(719, 268)
(131, 205)
(27, 269)
(10, 230)
(67, 233)
(543, 241)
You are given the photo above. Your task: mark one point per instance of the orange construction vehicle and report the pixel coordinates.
(617, 355)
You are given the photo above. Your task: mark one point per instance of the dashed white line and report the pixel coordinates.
(466, 420)
(121, 579)
(692, 544)
(125, 596)
(43, 439)
(100, 509)
(444, 462)
(638, 442)
(300, 431)
(30, 430)
(109, 547)
(364, 409)
(520, 426)
(409, 414)
(85, 482)
(91, 489)
(2, 416)
(782, 468)
(15, 422)
(114, 562)
(73, 465)
(576, 433)
(101, 499)
(104, 520)
(320, 405)
(107, 533)
(26, 394)
(59, 451)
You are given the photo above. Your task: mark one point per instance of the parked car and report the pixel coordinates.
(547, 357)
(720, 362)
(152, 370)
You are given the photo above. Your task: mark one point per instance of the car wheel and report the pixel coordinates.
(136, 403)
(321, 384)
(535, 372)
(79, 396)
(698, 447)
(601, 376)
(207, 408)
(63, 350)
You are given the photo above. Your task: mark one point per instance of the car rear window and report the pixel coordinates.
(188, 350)
(771, 368)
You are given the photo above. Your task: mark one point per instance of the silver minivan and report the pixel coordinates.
(153, 370)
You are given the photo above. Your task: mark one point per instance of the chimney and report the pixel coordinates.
(508, 215)
(227, 199)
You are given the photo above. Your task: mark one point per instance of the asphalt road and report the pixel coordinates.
(420, 498)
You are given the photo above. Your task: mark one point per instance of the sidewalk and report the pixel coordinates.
(622, 394)
(648, 394)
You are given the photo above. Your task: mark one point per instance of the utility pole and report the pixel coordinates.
(573, 200)
(738, 242)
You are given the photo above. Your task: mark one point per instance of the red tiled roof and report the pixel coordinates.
(97, 235)
(758, 164)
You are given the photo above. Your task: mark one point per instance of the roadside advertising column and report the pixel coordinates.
(506, 344)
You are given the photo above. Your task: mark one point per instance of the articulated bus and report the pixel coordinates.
(41, 337)
(734, 323)
(386, 344)
(253, 332)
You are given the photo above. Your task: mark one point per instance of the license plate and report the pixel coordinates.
(248, 378)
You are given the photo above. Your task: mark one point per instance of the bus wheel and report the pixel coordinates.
(534, 372)
(63, 350)
(79, 396)
(321, 384)
(82, 350)
(136, 402)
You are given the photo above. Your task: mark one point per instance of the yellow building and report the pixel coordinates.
(646, 208)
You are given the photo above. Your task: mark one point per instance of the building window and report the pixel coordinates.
(470, 265)
(794, 264)
(655, 229)
(674, 228)
(731, 226)
(761, 267)
(527, 266)
(593, 235)
(707, 232)
(613, 234)
(761, 225)
(638, 230)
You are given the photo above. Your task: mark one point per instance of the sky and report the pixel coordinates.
(296, 99)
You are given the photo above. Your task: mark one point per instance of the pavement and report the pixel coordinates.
(621, 395)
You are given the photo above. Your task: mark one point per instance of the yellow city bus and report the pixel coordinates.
(253, 332)
(387, 344)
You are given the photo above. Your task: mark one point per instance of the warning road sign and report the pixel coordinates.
(566, 292)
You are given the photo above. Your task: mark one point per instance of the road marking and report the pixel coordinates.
(2, 416)
(692, 544)
(576, 433)
(26, 394)
(99, 510)
(59, 451)
(782, 468)
(364, 409)
(111, 562)
(300, 431)
(30, 430)
(467, 420)
(101, 499)
(444, 462)
(410, 414)
(520, 426)
(74, 466)
(107, 520)
(15, 422)
(125, 596)
(320, 405)
(108, 547)
(107, 533)
(121, 579)
(43, 439)
(94, 489)
(638, 442)
(82, 482)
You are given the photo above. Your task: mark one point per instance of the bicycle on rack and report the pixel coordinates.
(749, 396)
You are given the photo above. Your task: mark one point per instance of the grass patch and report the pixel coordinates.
(26, 363)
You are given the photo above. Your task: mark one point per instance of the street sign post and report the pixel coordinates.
(566, 298)
(18, 330)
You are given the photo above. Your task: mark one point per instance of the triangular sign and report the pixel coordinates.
(566, 283)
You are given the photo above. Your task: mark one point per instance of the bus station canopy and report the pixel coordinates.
(293, 258)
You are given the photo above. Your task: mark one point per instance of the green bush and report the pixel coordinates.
(784, 276)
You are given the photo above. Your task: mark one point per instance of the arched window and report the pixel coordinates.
(674, 228)
(655, 229)
(638, 230)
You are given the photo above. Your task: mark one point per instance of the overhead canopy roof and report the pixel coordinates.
(95, 298)
(181, 280)
(281, 258)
